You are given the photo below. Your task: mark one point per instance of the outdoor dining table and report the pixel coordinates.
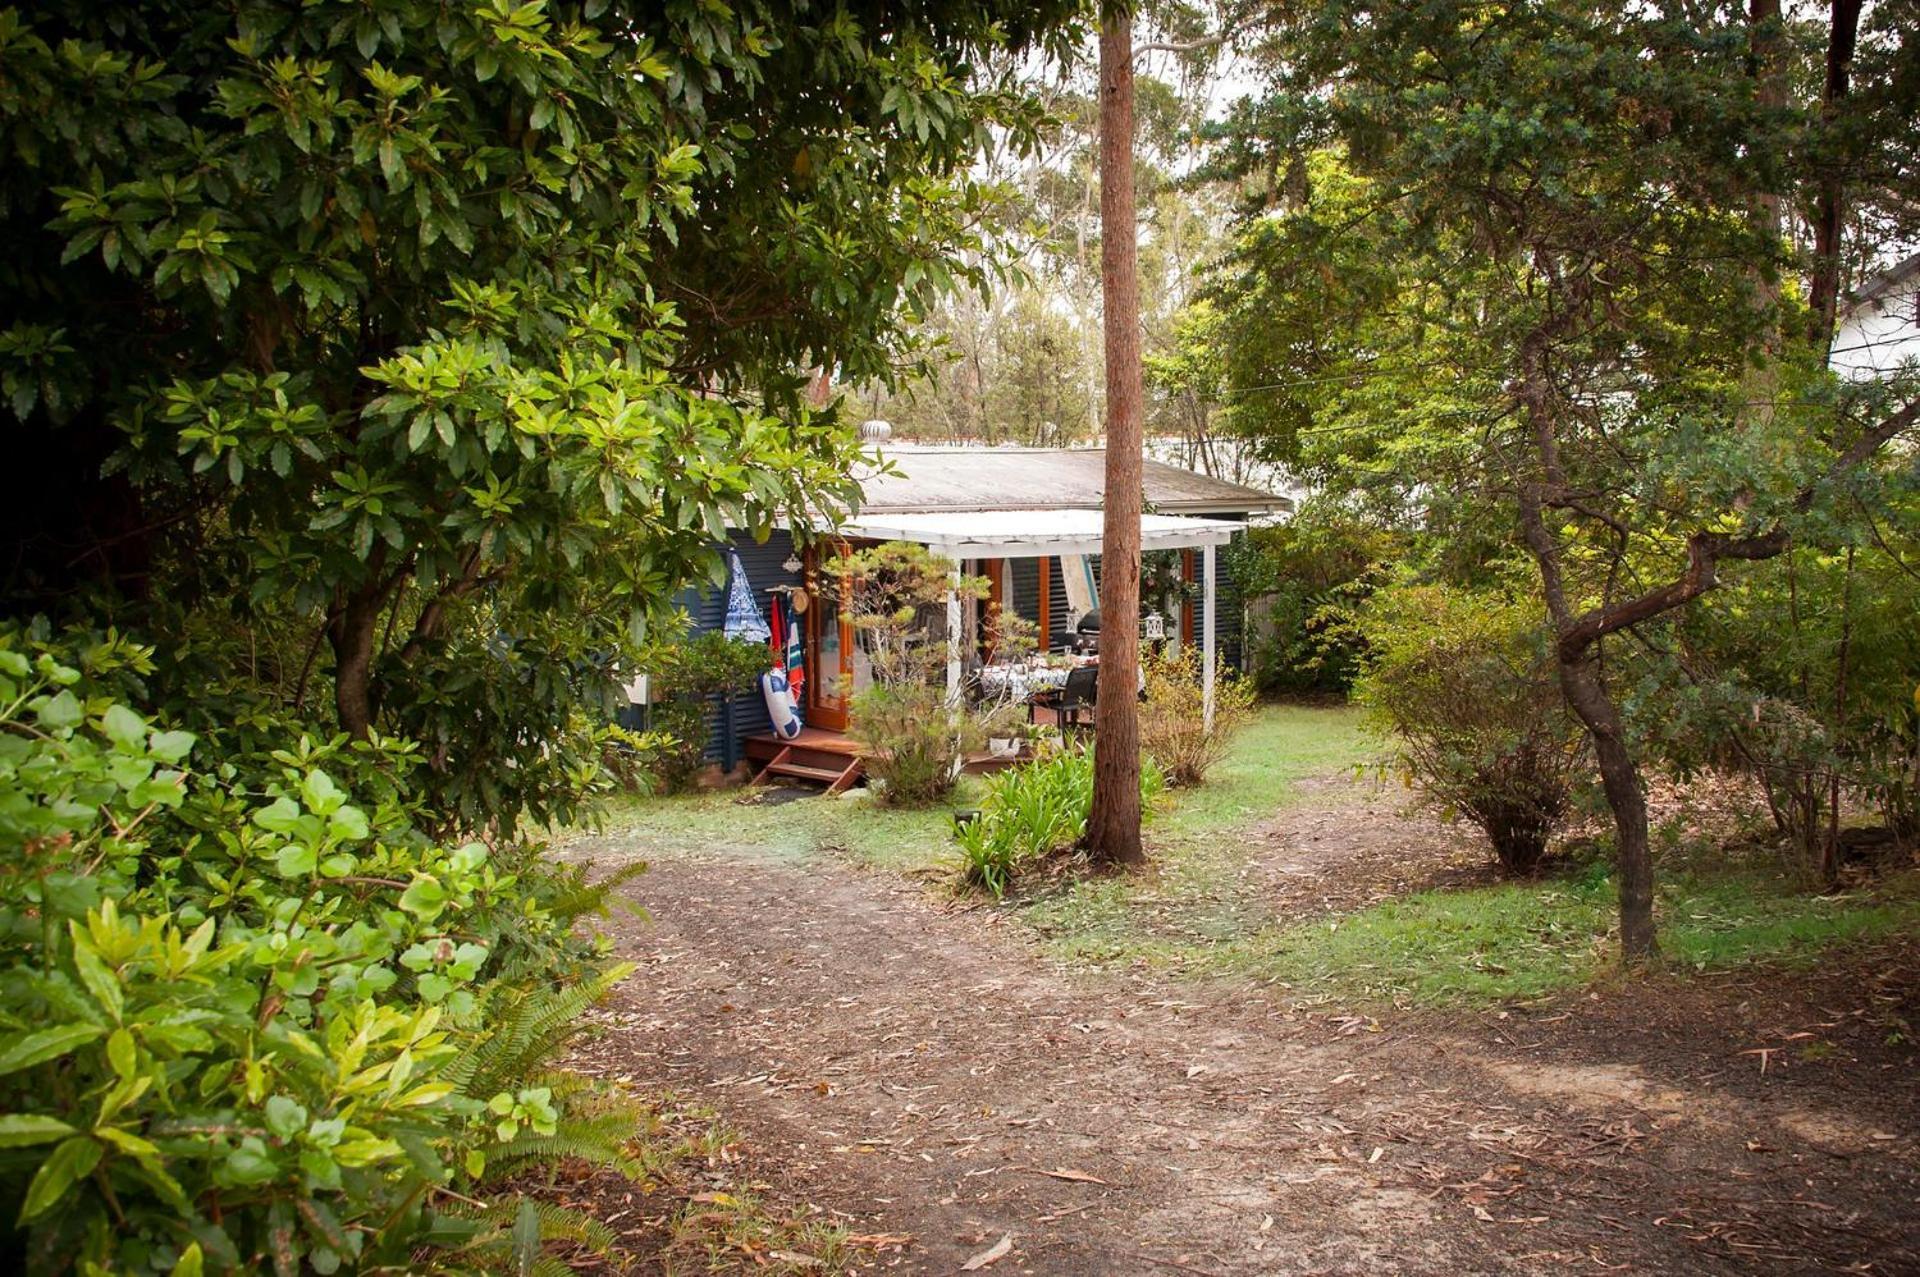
(1018, 682)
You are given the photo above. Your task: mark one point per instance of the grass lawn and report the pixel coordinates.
(739, 822)
(1523, 940)
(1200, 911)
(1284, 744)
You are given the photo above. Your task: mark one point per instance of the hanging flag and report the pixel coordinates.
(776, 637)
(796, 660)
(743, 614)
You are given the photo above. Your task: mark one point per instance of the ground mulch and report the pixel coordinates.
(922, 1074)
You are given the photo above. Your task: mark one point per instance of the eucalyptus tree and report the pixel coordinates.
(1113, 822)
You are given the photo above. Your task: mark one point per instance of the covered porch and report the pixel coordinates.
(1003, 536)
(989, 543)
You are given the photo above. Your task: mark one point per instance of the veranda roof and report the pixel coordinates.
(1026, 534)
(923, 479)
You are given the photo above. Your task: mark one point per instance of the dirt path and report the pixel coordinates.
(920, 1069)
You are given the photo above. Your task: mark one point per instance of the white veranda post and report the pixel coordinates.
(1206, 633)
(953, 636)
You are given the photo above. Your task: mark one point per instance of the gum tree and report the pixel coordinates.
(1113, 825)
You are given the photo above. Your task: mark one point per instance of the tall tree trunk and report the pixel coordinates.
(1576, 658)
(1113, 826)
(1823, 292)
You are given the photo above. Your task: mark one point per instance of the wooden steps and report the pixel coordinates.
(818, 757)
(814, 756)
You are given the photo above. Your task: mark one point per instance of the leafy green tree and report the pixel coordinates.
(1588, 348)
(428, 349)
(1022, 360)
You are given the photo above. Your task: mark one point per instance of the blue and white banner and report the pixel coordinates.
(743, 614)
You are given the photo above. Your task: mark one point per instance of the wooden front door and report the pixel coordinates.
(829, 646)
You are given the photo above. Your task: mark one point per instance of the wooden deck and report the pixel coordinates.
(815, 755)
(832, 759)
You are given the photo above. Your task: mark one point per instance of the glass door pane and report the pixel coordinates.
(829, 643)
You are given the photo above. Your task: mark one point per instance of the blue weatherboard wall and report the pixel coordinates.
(762, 563)
(707, 610)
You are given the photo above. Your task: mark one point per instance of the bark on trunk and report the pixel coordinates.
(1620, 778)
(351, 637)
(1823, 293)
(1113, 825)
(1576, 649)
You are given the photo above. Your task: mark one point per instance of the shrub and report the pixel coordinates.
(1173, 722)
(1462, 682)
(1800, 671)
(248, 1022)
(686, 675)
(632, 759)
(1033, 810)
(914, 742)
(896, 601)
(1303, 580)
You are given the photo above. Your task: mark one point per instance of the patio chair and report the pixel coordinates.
(1077, 699)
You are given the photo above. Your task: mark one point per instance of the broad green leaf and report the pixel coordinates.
(71, 1161)
(46, 1044)
(95, 974)
(296, 860)
(121, 1053)
(281, 816)
(123, 726)
(424, 897)
(19, 1129)
(59, 712)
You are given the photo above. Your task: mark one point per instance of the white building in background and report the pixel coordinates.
(1878, 327)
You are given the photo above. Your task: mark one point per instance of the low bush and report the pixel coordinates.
(251, 1018)
(1033, 810)
(914, 742)
(1303, 580)
(896, 601)
(1173, 721)
(686, 675)
(1462, 683)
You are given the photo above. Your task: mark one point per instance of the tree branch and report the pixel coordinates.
(1186, 46)
(428, 624)
(1706, 550)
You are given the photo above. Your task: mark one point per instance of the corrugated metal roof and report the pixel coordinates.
(927, 480)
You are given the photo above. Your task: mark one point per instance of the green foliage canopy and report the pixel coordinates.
(251, 1018)
(1589, 343)
(451, 337)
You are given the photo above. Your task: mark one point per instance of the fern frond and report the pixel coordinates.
(557, 1223)
(529, 1034)
(570, 1141)
(492, 1248)
(580, 897)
